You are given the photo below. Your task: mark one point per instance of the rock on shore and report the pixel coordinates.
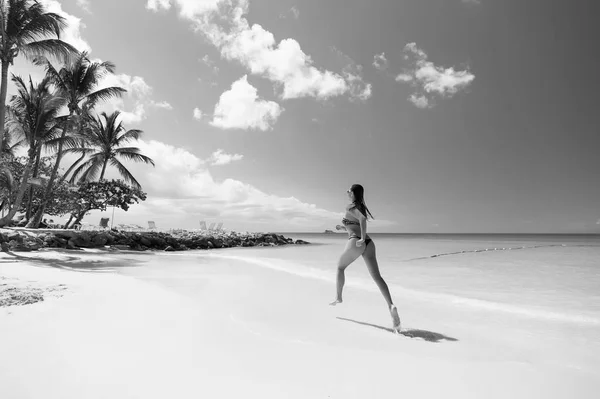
(32, 240)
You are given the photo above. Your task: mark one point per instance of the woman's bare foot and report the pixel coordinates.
(336, 302)
(395, 318)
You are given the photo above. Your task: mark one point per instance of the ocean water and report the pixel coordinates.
(535, 296)
(544, 277)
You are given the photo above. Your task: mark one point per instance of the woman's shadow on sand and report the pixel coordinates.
(412, 333)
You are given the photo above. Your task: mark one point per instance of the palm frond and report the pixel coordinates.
(55, 48)
(105, 94)
(42, 25)
(123, 171)
(132, 154)
(97, 70)
(87, 171)
(79, 150)
(132, 134)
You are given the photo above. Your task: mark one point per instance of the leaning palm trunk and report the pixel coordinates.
(37, 218)
(34, 174)
(78, 218)
(20, 194)
(3, 91)
(68, 221)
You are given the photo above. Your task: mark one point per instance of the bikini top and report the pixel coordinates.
(346, 222)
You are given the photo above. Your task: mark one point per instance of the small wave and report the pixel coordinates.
(539, 314)
(280, 265)
(477, 304)
(485, 250)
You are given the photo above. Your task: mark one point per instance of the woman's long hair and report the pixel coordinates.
(359, 200)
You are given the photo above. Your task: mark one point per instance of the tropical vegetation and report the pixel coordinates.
(55, 117)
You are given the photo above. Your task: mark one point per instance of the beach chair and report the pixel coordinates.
(212, 225)
(151, 225)
(219, 226)
(104, 223)
(202, 225)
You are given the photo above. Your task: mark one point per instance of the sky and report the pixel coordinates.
(456, 116)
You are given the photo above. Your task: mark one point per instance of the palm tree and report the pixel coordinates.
(49, 143)
(105, 145)
(77, 81)
(82, 127)
(33, 118)
(7, 181)
(24, 28)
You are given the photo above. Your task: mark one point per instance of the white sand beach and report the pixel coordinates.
(230, 330)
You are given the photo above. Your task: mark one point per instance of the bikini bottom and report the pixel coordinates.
(367, 241)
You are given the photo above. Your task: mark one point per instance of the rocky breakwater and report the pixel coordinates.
(15, 240)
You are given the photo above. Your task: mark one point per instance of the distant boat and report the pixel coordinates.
(329, 232)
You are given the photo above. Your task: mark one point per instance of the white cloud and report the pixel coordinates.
(182, 191)
(155, 5)
(221, 158)
(431, 80)
(403, 77)
(84, 5)
(471, 1)
(380, 62)
(136, 85)
(197, 114)
(598, 221)
(240, 108)
(133, 117)
(284, 63)
(419, 101)
(445, 82)
(357, 86)
(188, 8)
(295, 12)
(162, 104)
(138, 97)
(352, 72)
(72, 33)
(209, 63)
